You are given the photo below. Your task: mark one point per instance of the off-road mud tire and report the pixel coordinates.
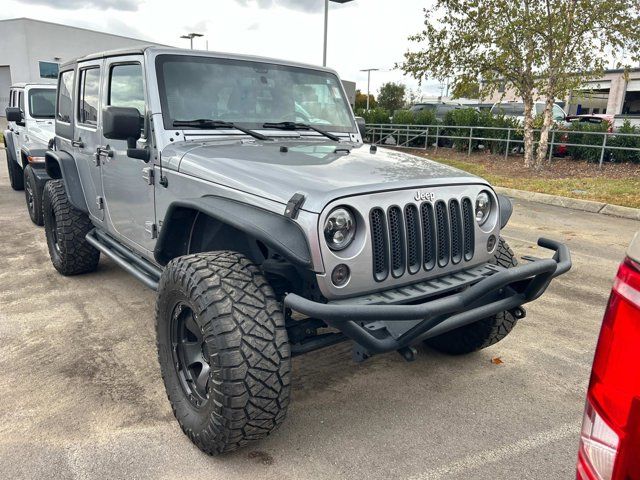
(66, 228)
(33, 196)
(15, 172)
(485, 332)
(244, 341)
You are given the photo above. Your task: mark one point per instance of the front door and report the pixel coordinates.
(19, 127)
(87, 135)
(128, 187)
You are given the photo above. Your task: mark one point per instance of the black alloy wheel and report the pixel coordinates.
(190, 355)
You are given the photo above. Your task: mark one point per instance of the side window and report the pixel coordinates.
(65, 98)
(88, 96)
(21, 101)
(126, 86)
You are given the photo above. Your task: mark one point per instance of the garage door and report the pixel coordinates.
(5, 83)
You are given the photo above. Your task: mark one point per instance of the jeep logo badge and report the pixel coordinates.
(421, 196)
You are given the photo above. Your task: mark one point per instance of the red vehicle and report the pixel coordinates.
(610, 437)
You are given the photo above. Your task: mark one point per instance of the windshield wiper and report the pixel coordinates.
(301, 126)
(213, 124)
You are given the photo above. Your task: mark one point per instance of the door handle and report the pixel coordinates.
(77, 143)
(102, 152)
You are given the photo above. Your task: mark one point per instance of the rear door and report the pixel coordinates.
(128, 182)
(87, 134)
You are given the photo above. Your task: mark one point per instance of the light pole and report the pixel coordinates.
(369, 70)
(191, 36)
(326, 27)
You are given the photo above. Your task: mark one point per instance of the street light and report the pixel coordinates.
(191, 36)
(369, 70)
(326, 26)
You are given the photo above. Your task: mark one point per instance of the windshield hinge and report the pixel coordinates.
(294, 205)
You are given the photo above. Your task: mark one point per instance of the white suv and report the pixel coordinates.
(30, 117)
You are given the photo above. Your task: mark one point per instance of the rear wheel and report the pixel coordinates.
(485, 332)
(15, 173)
(66, 228)
(223, 350)
(33, 196)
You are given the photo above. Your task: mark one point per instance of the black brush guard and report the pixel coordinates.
(505, 290)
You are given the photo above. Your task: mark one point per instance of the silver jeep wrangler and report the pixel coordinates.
(239, 188)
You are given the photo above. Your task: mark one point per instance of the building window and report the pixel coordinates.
(48, 69)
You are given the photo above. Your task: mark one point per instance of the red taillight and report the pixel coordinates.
(610, 438)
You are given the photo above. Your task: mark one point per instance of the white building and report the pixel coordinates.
(31, 50)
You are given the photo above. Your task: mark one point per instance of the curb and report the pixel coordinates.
(572, 203)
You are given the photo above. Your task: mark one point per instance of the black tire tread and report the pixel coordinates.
(36, 214)
(244, 324)
(77, 255)
(485, 332)
(15, 172)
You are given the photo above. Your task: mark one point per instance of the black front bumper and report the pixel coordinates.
(505, 290)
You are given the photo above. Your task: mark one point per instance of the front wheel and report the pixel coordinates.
(484, 332)
(223, 350)
(33, 196)
(15, 173)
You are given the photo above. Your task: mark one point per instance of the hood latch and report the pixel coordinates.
(294, 205)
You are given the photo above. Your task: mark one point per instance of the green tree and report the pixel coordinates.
(391, 96)
(361, 100)
(533, 47)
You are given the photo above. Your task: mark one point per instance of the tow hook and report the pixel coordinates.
(408, 353)
(519, 313)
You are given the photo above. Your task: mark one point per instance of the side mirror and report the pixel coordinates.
(13, 114)
(121, 123)
(124, 123)
(362, 124)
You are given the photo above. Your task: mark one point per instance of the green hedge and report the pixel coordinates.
(627, 142)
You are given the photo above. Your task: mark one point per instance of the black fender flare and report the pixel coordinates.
(61, 165)
(8, 142)
(506, 209)
(278, 232)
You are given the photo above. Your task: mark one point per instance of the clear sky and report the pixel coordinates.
(362, 34)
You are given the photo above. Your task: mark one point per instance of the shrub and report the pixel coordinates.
(425, 117)
(403, 117)
(576, 136)
(462, 117)
(376, 115)
(626, 142)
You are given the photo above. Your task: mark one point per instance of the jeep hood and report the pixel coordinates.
(279, 169)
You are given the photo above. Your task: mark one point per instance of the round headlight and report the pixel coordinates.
(483, 207)
(339, 228)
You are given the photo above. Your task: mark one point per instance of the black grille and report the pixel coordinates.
(420, 237)
(456, 231)
(442, 231)
(429, 235)
(396, 237)
(379, 242)
(413, 238)
(469, 225)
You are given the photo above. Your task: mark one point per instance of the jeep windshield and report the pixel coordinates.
(250, 94)
(42, 102)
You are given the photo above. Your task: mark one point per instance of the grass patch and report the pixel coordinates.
(619, 188)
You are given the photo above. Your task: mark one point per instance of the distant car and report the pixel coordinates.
(610, 437)
(440, 108)
(595, 118)
(516, 110)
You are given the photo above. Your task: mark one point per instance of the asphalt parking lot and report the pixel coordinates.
(81, 394)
